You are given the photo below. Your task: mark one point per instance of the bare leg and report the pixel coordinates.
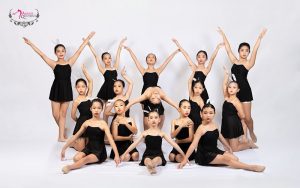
(249, 120)
(79, 144)
(221, 159)
(172, 157)
(179, 158)
(155, 162)
(135, 156)
(91, 158)
(55, 111)
(162, 120)
(78, 156)
(236, 145)
(62, 121)
(245, 136)
(148, 163)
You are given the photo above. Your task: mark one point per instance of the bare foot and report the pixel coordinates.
(252, 145)
(258, 168)
(253, 137)
(153, 171)
(65, 169)
(244, 139)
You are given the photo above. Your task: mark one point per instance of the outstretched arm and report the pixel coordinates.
(255, 48)
(225, 82)
(213, 56)
(230, 54)
(132, 146)
(225, 143)
(112, 144)
(73, 59)
(101, 69)
(49, 61)
(172, 143)
(167, 61)
(167, 99)
(130, 83)
(117, 63)
(135, 60)
(185, 54)
(137, 100)
(89, 79)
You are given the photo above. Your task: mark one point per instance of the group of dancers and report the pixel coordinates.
(194, 134)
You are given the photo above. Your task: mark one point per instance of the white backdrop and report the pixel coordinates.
(25, 79)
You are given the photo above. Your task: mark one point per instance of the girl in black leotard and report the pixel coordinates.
(205, 140)
(153, 155)
(150, 74)
(61, 91)
(95, 151)
(240, 69)
(83, 104)
(201, 71)
(123, 129)
(183, 130)
(110, 74)
(233, 126)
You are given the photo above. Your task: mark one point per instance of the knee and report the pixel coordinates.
(63, 113)
(172, 157)
(178, 158)
(76, 158)
(55, 115)
(135, 156)
(226, 159)
(248, 118)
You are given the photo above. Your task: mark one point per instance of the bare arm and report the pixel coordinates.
(108, 109)
(115, 133)
(255, 48)
(132, 146)
(101, 69)
(135, 60)
(130, 83)
(225, 143)
(167, 61)
(230, 54)
(213, 56)
(191, 134)
(137, 100)
(225, 82)
(117, 63)
(49, 61)
(168, 100)
(185, 54)
(170, 141)
(174, 132)
(73, 59)
(239, 108)
(89, 79)
(73, 111)
(112, 144)
(132, 127)
(190, 83)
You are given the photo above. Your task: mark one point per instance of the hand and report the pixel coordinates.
(91, 35)
(175, 40)
(123, 72)
(262, 33)
(122, 157)
(182, 164)
(117, 160)
(220, 45)
(83, 68)
(27, 41)
(62, 154)
(130, 137)
(189, 123)
(219, 30)
(88, 42)
(123, 40)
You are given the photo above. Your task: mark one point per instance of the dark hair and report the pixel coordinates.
(151, 54)
(155, 110)
(208, 105)
(103, 54)
(97, 100)
(122, 82)
(120, 100)
(244, 44)
(202, 51)
(80, 80)
(57, 46)
(234, 82)
(182, 101)
(195, 82)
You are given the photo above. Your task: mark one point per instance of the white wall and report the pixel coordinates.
(149, 25)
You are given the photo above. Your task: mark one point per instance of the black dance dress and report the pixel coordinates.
(61, 89)
(96, 143)
(207, 149)
(153, 149)
(231, 123)
(107, 89)
(85, 114)
(122, 146)
(150, 80)
(240, 72)
(148, 107)
(183, 134)
(195, 114)
(199, 75)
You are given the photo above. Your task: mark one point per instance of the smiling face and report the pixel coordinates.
(119, 107)
(232, 88)
(153, 119)
(208, 114)
(60, 52)
(151, 59)
(185, 108)
(81, 87)
(201, 57)
(118, 87)
(96, 108)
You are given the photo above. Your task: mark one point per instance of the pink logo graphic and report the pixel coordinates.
(23, 18)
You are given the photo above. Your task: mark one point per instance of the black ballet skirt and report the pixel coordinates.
(207, 149)
(61, 89)
(150, 80)
(85, 114)
(195, 114)
(148, 107)
(95, 143)
(231, 123)
(240, 72)
(153, 149)
(122, 146)
(183, 134)
(107, 89)
(199, 75)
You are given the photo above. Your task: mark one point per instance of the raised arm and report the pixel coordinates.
(185, 54)
(190, 83)
(73, 59)
(172, 143)
(230, 54)
(130, 83)
(225, 82)
(117, 63)
(89, 79)
(108, 109)
(255, 48)
(49, 61)
(213, 56)
(167, 61)
(135, 60)
(73, 111)
(97, 58)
